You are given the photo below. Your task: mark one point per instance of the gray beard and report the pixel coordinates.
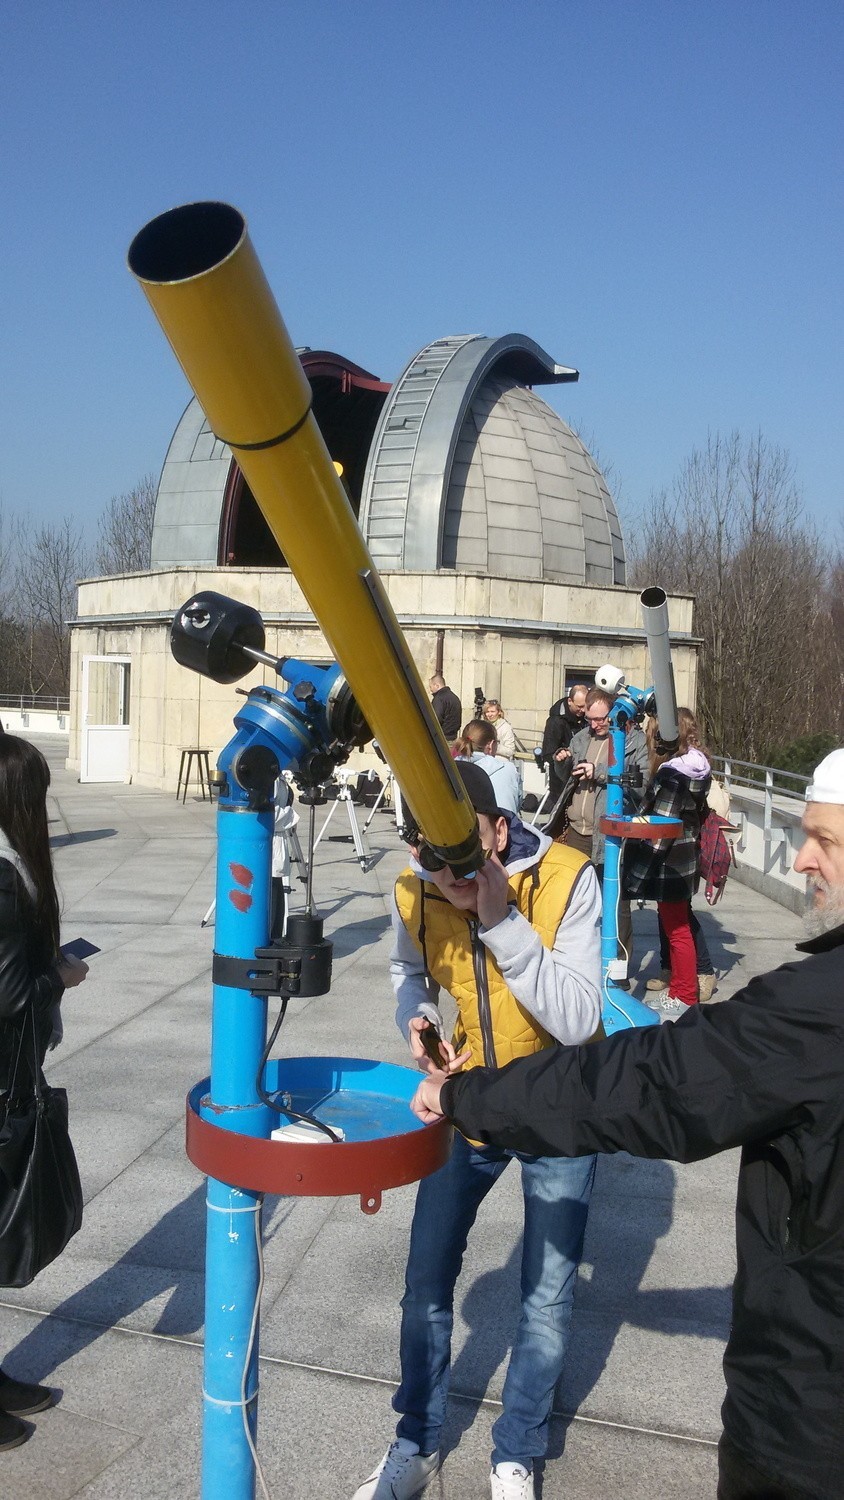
(818, 919)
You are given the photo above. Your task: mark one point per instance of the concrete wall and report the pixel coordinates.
(515, 638)
(764, 857)
(34, 721)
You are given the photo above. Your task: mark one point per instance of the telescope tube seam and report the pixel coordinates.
(269, 442)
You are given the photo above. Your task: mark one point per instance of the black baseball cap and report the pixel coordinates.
(479, 788)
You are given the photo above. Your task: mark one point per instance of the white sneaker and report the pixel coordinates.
(511, 1482)
(667, 1008)
(402, 1472)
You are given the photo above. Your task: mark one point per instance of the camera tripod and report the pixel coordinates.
(344, 795)
(391, 786)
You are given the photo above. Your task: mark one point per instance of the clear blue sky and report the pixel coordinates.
(649, 188)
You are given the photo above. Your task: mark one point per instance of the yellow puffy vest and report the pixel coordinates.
(491, 1020)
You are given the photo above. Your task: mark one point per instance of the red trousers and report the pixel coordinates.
(674, 916)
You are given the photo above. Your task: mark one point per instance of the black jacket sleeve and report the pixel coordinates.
(558, 732)
(20, 982)
(721, 1076)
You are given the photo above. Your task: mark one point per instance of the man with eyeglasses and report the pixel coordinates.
(518, 949)
(589, 752)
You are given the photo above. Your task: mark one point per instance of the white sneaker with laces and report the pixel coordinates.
(511, 1482)
(402, 1473)
(667, 1007)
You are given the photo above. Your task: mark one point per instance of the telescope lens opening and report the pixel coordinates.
(185, 242)
(653, 598)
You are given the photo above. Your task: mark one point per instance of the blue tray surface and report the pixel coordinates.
(367, 1100)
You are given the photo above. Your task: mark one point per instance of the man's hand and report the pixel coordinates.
(585, 769)
(562, 754)
(451, 1063)
(426, 1101)
(493, 890)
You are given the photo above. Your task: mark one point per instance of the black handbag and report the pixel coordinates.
(40, 1191)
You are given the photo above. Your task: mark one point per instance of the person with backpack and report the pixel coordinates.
(712, 864)
(668, 870)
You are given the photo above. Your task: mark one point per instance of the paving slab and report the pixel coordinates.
(117, 1321)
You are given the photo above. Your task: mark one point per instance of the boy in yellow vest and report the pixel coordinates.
(518, 949)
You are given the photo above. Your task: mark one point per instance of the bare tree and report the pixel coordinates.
(49, 561)
(731, 531)
(124, 530)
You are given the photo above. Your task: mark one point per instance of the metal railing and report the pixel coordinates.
(772, 783)
(27, 702)
(768, 779)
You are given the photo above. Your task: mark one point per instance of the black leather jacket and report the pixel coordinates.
(764, 1071)
(28, 983)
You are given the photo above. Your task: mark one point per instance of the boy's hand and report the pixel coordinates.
(493, 891)
(450, 1062)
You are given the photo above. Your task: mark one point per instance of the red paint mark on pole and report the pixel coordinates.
(240, 900)
(241, 875)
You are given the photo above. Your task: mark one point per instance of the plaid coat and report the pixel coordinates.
(670, 869)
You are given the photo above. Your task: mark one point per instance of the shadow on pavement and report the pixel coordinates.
(611, 1298)
(61, 840)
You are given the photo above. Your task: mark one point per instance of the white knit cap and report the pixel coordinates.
(827, 784)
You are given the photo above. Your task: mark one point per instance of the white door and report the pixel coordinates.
(105, 718)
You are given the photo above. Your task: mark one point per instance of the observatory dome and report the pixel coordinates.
(459, 465)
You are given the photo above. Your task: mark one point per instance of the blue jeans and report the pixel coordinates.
(556, 1196)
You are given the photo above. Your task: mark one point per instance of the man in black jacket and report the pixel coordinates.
(565, 718)
(446, 706)
(764, 1071)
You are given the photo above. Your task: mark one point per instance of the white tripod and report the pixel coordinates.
(391, 786)
(344, 795)
(286, 850)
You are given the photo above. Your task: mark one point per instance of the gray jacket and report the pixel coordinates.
(635, 754)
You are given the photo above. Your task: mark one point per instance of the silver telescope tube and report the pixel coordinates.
(654, 604)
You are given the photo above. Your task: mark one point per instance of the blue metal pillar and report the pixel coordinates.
(620, 1010)
(233, 1226)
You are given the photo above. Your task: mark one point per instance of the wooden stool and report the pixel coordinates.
(202, 771)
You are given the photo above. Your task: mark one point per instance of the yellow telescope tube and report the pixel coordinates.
(205, 284)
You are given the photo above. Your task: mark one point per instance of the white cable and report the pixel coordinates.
(618, 909)
(250, 1346)
(612, 999)
(217, 1208)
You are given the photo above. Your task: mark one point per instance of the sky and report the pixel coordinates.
(651, 189)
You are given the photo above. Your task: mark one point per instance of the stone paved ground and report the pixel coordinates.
(117, 1321)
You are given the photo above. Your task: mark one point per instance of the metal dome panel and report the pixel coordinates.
(190, 494)
(407, 476)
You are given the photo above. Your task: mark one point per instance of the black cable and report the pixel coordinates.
(283, 1109)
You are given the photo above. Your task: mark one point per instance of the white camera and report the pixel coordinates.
(610, 678)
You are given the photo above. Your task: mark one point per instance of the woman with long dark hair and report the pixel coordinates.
(33, 977)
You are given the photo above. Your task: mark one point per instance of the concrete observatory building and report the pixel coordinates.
(490, 522)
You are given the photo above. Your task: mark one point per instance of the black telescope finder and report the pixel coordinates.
(217, 637)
